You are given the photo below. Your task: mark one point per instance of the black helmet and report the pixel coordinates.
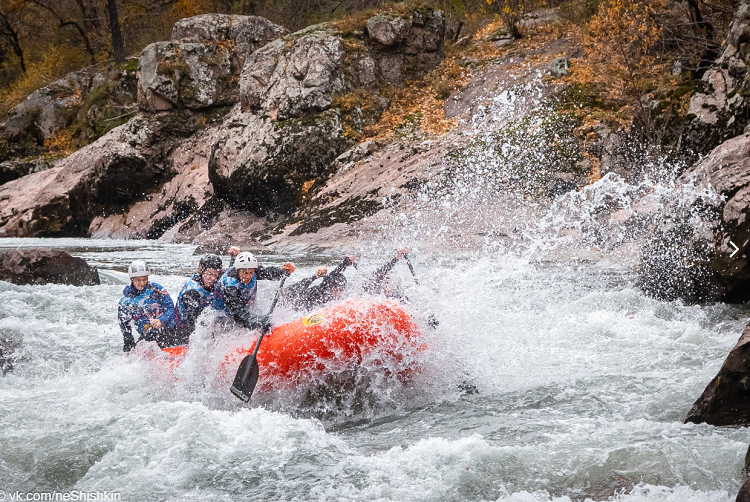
(209, 260)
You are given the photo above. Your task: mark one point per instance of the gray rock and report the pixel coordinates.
(674, 265)
(560, 184)
(559, 67)
(42, 266)
(103, 177)
(261, 164)
(192, 75)
(46, 110)
(726, 399)
(67, 101)
(718, 110)
(744, 494)
(698, 263)
(14, 169)
(403, 48)
(388, 30)
(289, 78)
(726, 170)
(249, 33)
(200, 67)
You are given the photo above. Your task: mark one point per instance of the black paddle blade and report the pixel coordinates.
(246, 378)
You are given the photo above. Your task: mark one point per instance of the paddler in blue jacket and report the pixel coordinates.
(235, 292)
(195, 296)
(148, 305)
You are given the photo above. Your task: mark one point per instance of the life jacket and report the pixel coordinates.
(152, 302)
(206, 299)
(231, 279)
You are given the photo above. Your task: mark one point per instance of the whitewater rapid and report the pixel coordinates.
(582, 383)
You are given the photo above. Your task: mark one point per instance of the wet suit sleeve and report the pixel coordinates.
(191, 301)
(295, 294)
(238, 310)
(342, 267)
(167, 318)
(269, 273)
(124, 316)
(373, 283)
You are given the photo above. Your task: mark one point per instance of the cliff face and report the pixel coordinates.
(720, 109)
(235, 114)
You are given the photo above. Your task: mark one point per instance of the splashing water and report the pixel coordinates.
(581, 384)
(548, 378)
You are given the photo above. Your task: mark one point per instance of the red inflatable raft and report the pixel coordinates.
(353, 333)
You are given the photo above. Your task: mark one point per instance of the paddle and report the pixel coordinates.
(248, 371)
(406, 257)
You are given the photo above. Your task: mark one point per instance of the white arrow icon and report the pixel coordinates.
(735, 249)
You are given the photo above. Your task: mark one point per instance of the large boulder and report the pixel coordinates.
(247, 33)
(720, 109)
(289, 78)
(43, 265)
(406, 47)
(726, 172)
(726, 399)
(299, 96)
(14, 169)
(260, 164)
(188, 195)
(716, 211)
(95, 99)
(103, 178)
(181, 74)
(200, 67)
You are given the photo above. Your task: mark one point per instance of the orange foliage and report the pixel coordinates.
(620, 46)
(190, 8)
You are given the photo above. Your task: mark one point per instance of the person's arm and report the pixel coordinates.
(269, 273)
(240, 312)
(342, 266)
(191, 303)
(167, 319)
(124, 316)
(296, 294)
(299, 287)
(373, 282)
(274, 273)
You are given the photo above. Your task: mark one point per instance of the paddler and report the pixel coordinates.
(379, 283)
(148, 305)
(235, 292)
(303, 296)
(195, 296)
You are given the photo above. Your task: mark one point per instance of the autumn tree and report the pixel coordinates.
(118, 46)
(622, 42)
(9, 32)
(511, 12)
(65, 19)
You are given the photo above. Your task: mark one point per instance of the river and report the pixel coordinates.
(581, 386)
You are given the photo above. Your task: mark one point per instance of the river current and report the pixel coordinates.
(542, 382)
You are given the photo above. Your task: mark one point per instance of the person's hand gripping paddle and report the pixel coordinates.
(248, 371)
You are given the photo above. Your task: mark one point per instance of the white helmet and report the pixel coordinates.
(245, 260)
(138, 269)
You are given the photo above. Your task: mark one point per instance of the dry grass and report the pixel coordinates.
(63, 143)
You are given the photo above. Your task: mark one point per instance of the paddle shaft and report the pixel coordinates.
(263, 332)
(406, 257)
